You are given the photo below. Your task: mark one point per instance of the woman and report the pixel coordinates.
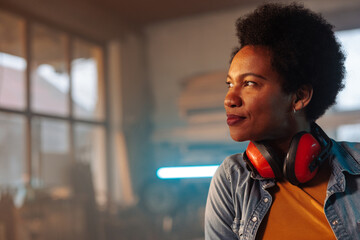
(292, 182)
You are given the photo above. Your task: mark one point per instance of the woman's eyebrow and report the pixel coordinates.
(253, 74)
(248, 74)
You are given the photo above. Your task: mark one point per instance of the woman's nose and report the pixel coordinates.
(232, 100)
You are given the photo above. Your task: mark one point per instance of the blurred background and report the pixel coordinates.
(96, 96)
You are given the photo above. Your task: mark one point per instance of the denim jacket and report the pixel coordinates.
(238, 199)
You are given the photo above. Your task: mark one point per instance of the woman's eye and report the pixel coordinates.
(249, 83)
(230, 85)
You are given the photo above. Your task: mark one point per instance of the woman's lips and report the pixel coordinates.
(234, 119)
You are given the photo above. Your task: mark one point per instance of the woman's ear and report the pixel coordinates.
(302, 97)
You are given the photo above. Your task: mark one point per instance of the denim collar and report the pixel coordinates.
(346, 157)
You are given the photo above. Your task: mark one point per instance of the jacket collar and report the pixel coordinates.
(346, 157)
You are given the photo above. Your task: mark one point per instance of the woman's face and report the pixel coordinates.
(256, 106)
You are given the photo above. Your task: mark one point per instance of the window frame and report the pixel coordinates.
(69, 119)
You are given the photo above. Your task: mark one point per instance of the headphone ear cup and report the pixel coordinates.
(262, 159)
(304, 149)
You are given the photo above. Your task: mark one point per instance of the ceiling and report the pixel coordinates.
(105, 19)
(143, 12)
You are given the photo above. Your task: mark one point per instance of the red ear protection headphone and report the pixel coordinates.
(306, 153)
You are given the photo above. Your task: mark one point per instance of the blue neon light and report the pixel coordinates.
(186, 172)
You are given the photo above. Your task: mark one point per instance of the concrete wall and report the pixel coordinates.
(148, 72)
(131, 107)
(184, 48)
(178, 50)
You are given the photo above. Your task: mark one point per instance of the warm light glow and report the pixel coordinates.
(187, 172)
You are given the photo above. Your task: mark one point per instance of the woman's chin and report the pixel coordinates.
(238, 137)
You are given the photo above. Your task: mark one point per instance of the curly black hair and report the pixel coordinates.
(304, 50)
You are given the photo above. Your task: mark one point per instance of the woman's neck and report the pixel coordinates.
(281, 146)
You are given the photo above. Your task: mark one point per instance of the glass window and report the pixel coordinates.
(90, 149)
(49, 73)
(46, 133)
(12, 62)
(349, 132)
(12, 150)
(50, 153)
(87, 81)
(349, 98)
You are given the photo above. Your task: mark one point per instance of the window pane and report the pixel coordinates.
(12, 62)
(50, 153)
(349, 98)
(349, 133)
(12, 150)
(90, 149)
(87, 81)
(49, 74)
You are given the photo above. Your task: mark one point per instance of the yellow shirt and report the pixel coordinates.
(298, 212)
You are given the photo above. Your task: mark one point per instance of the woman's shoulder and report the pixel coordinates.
(351, 146)
(232, 165)
(349, 154)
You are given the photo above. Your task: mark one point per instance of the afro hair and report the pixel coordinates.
(304, 50)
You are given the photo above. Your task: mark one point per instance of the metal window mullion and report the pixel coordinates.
(71, 136)
(55, 117)
(28, 116)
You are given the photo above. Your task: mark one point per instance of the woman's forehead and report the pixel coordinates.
(252, 58)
